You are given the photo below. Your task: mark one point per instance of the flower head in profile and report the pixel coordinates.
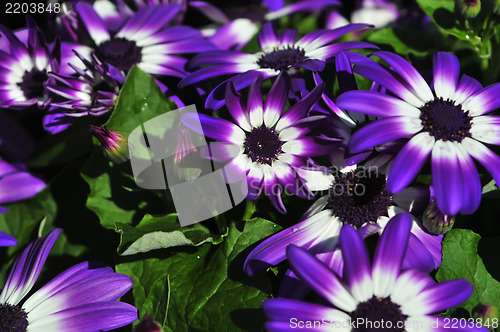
(446, 123)
(272, 145)
(114, 144)
(89, 91)
(404, 300)
(24, 68)
(143, 40)
(279, 52)
(80, 299)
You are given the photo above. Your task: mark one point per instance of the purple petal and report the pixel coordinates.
(218, 129)
(446, 72)
(268, 38)
(483, 101)
(92, 22)
(409, 284)
(473, 189)
(300, 109)
(382, 76)
(382, 131)
(272, 189)
(18, 186)
(217, 57)
(312, 65)
(389, 254)
(485, 156)
(408, 73)
(320, 278)
(210, 11)
(345, 76)
(465, 88)
(27, 268)
(254, 103)
(433, 243)
(7, 240)
(486, 129)
(357, 267)
(417, 256)
(374, 103)
(440, 297)
(319, 38)
(88, 317)
(447, 178)
(276, 100)
(233, 102)
(234, 35)
(329, 51)
(209, 72)
(273, 249)
(215, 99)
(286, 309)
(409, 162)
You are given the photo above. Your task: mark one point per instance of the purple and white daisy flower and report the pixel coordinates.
(383, 293)
(272, 145)
(6, 240)
(446, 123)
(80, 299)
(356, 197)
(279, 52)
(24, 68)
(91, 91)
(143, 41)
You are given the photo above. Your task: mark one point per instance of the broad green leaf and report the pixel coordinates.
(110, 195)
(208, 290)
(460, 260)
(442, 13)
(160, 233)
(401, 41)
(140, 100)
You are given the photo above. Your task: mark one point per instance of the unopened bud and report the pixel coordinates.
(485, 312)
(187, 157)
(435, 221)
(113, 143)
(469, 8)
(147, 324)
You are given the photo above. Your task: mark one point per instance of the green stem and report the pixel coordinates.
(249, 209)
(220, 220)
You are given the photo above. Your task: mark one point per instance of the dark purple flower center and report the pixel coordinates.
(359, 197)
(444, 120)
(120, 52)
(378, 314)
(33, 83)
(12, 318)
(263, 145)
(282, 59)
(470, 2)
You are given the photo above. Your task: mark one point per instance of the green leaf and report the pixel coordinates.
(140, 100)
(110, 197)
(442, 13)
(208, 289)
(460, 260)
(161, 233)
(401, 41)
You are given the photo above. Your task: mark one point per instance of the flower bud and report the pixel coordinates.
(435, 221)
(114, 145)
(147, 324)
(485, 312)
(469, 8)
(187, 157)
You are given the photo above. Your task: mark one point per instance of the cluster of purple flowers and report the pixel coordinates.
(297, 131)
